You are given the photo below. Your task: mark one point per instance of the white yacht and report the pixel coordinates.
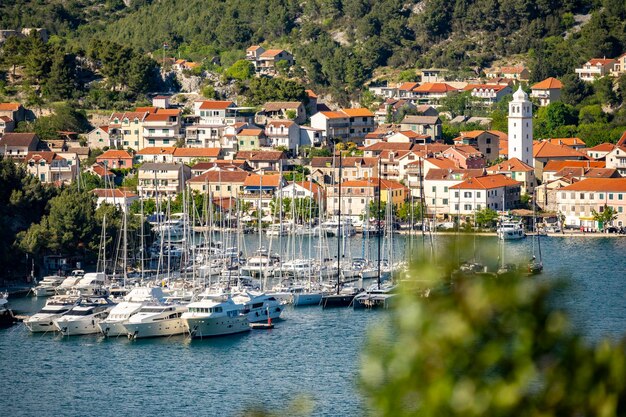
(278, 229)
(92, 283)
(174, 227)
(331, 227)
(215, 316)
(259, 307)
(262, 263)
(84, 317)
(55, 307)
(154, 320)
(138, 297)
(510, 230)
(70, 281)
(48, 285)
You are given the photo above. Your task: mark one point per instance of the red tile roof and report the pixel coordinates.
(546, 149)
(221, 176)
(555, 166)
(271, 53)
(510, 165)
(603, 147)
(486, 182)
(197, 152)
(157, 150)
(547, 84)
(269, 180)
(47, 156)
(112, 193)
(598, 184)
(604, 61)
(260, 155)
(114, 154)
(359, 112)
(434, 88)
(9, 106)
(215, 105)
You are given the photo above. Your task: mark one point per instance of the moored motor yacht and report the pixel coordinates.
(56, 306)
(215, 315)
(113, 325)
(47, 286)
(84, 317)
(92, 283)
(155, 320)
(70, 281)
(510, 230)
(259, 307)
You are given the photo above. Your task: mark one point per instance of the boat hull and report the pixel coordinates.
(44, 291)
(307, 299)
(337, 300)
(112, 328)
(77, 327)
(41, 325)
(260, 315)
(162, 328)
(202, 327)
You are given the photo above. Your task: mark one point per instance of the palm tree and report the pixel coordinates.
(605, 216)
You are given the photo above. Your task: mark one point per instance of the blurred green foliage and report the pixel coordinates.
(486, 346)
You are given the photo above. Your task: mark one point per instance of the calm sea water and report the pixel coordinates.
(311, 352)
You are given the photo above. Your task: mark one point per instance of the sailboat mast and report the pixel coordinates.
(378, 226)
(339, 227)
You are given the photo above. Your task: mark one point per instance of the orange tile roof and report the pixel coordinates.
(512, 70)
(382, 146)
(269, 180)
(359, 112)
(215, 105)
(494, 87)
(559, 165)
(197, 152)
(546, 149)
(486, 182)
(154, 117)
(334, 115)
(169, 112)
(260, 155)
(408, 86)
(598, 184)
(309, 185)
(157, 150)
(47, 156)
(547, 84)
(510, 165)
(278, 123)
(250, 132)
(253, 48)
(9, 106)
(101, 171)
(595, 61)
(442, 162)
(434, 88)
(114, 154)
(566, 141)
(499, 134)
(310, 93)
(222, 176)
(603, 147)
(270, 53)
(149, 109)
(473, 133)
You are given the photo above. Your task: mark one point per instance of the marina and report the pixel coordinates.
(299, 356)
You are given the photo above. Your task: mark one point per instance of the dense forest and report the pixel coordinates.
(339, 44)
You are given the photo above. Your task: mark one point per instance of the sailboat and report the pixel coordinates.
(535, 266)
(342, 298)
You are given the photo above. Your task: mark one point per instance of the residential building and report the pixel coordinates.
(356, 195)
(289, 110)
(162, 179)
(547, 91)
(13, 111)
(333, 124)
(310, 136)
(50, 168)
(162, 128)
(465, 156)
(217, 113)
(130, 127)
(220, 164)
(220, 183)
(518, 171)
(424, 125)
(497, 192)
(265, 61)
(391, 108)
(156, 154)
(114, 159)
(193, 155)
(545, 152)
(103, 137)
(431, 93)
(617, 159)
(264, 160)
(18, 145)
(600, 151)
(515, 73)
(283, 133)
(484, 141)
(305, 189)
(161, 101)
(574, 143)
(578, 201)
(115, 197)
(595, 68)
(488, 94)
(546, 193)
(437, 183)
(409, 136)
(325, 170)
(103, 172)
(251, 138)
(259, 190)
(361, 122)
(552, 168)
(6, 125)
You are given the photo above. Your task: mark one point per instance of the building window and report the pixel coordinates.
(619, 196)
(477, 194)
(445, 201)
(601, 196)
(445, 189)
(456, 194)
(467, 207)
(582, 196)
(434, 189)
(467, 194)
(610, 196)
